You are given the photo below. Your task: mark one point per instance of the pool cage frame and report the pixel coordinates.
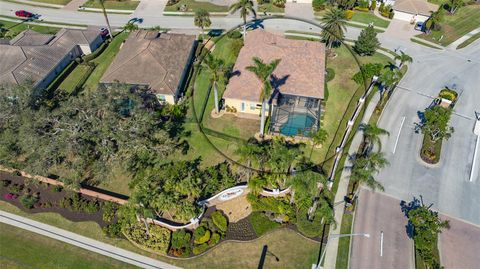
(285, 105)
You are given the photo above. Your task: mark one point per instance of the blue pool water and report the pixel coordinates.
(296, 124)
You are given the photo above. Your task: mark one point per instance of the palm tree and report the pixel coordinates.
(202, 19)
(245, 7)
(389, 78)
(216, 67)
(318, 138)
(434, 20)
(454, 5)
(130, 26)
(333, 26)
(247, 153)
(403, 58)
(256, 185)
(102, 4)
(365, 167)
(371, 136)
(263, 71)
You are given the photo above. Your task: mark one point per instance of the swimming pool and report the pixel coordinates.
(296, 124)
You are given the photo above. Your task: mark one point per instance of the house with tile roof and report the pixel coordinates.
(298, 82)
(37, 58)
(157, 61)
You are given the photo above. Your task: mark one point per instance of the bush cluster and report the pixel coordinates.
(349, 14)
(76, 203)
(180, 245)
(113, 230)
(28, 200)
(318, 5)
(158, 240)
(109, 210)
(330, 74)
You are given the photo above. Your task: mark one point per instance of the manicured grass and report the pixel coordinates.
(193, 6)
(469, 41)
(23, 249)
(270, 8)
(73, 79)
(104, 60)
(363, 27)
(414, 40)
(368, 17)
(262, 224)
(455, 26)
(14, 28)
(293, 250)
(343, 254)
(123, 5)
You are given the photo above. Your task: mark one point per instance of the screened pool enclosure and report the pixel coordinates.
(295, 115)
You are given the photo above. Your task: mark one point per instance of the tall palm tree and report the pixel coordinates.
(454, 5)
(389, 77)
(245, 7)
(371, 136)
(403, 58)
(365, 167)
(102, 4)
(202, 19)
(318, 138)
(248, 153)
(256, 184)
(263, 71)
(216, 68)
(334, 27)
(434, 20)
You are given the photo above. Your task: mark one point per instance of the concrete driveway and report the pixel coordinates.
(376, 213)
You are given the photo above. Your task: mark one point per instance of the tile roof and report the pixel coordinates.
(302, 66)
(151, 58)
(421, 7)
(31, 56)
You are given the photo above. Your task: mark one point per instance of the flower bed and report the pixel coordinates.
(430, 152)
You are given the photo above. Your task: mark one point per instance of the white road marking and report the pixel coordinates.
(398, 135)
(381, 244)
(474, 158)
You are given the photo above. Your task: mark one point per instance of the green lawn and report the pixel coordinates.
(362, 27)
(104, 60)
(293, 250)
(368, 17)
(122, 5)
(261, 223)
(23, 249)
(344, 242)
(455, 26)
(56, 2)
(73, 79)
(469, 41)
(270, 8)
(14, 28)
(415, 40)
(193, 6)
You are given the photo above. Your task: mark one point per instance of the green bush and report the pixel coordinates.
(448, 94)
(362, 5)
(29, 200)
(204, 238)
(234, 34)
(391, 14)
(236, 46)
(220, 221)
(373, 6)
(318, 5)
(279, 3)
(330, 74)
(214, 239)
(109, 210)
(349, 14)
(6, 183)
(97, 52)
(261, 223)
(363, 9)
(76, 202)
(16, 189)
(57, 188)
(181, 239)
(275, 205)
(159, 238)
(113, 230)
(382, 7)
(200, 248)
(201, 235)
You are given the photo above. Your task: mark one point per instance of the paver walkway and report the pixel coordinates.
(82, 241)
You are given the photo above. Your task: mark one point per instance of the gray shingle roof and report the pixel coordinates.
(153, 59)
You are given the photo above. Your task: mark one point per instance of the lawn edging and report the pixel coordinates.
(426, 43)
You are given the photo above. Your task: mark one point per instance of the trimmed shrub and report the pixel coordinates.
(220, 221)
(279, 3)
(373, 5)
(113, 230)
(215, 238)
(330, 74)
(180, 239)
(109, 210)
(318, 5)
(363, 9)
(234, 34)
(382, 7)
(159, 238)
(204, 238)
(29, 200)
(448, 94)
(200, 248)
(349, 14)
(391, 14)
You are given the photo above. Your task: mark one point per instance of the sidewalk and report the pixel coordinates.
(332, 245)
(463, 38)
(83, 242)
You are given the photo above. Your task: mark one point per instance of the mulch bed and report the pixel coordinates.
(241, 230)
(47, 194)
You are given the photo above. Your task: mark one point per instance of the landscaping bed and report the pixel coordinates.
(121, 5)
(36, 197)
(192, 6)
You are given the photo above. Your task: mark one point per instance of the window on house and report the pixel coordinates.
(253, 106)
(243, 107)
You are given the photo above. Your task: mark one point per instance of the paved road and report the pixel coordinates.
(83, 242)
(376, 213)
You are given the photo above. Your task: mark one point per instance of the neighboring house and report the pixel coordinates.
(154, 60)
(38, 58)
(413, 10)
(299, 82)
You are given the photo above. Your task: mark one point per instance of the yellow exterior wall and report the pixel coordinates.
(252, 108)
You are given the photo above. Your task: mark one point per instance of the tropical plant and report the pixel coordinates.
(255, 184)
(102, 4)
(202, 19)
(371, 137)
(319, 137)
(345, 4)
(220, 221)
(130, 27)
(389, 77)
(264, 71)
(453, 5)
(279, 3)
(318, 5)
(367, 72)
(334, 28)
(246, 7)
(367, 42)
(365, 167)
(216, 68)
(434, 20)
(435, 124)
(403, 58)
(158, 241)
